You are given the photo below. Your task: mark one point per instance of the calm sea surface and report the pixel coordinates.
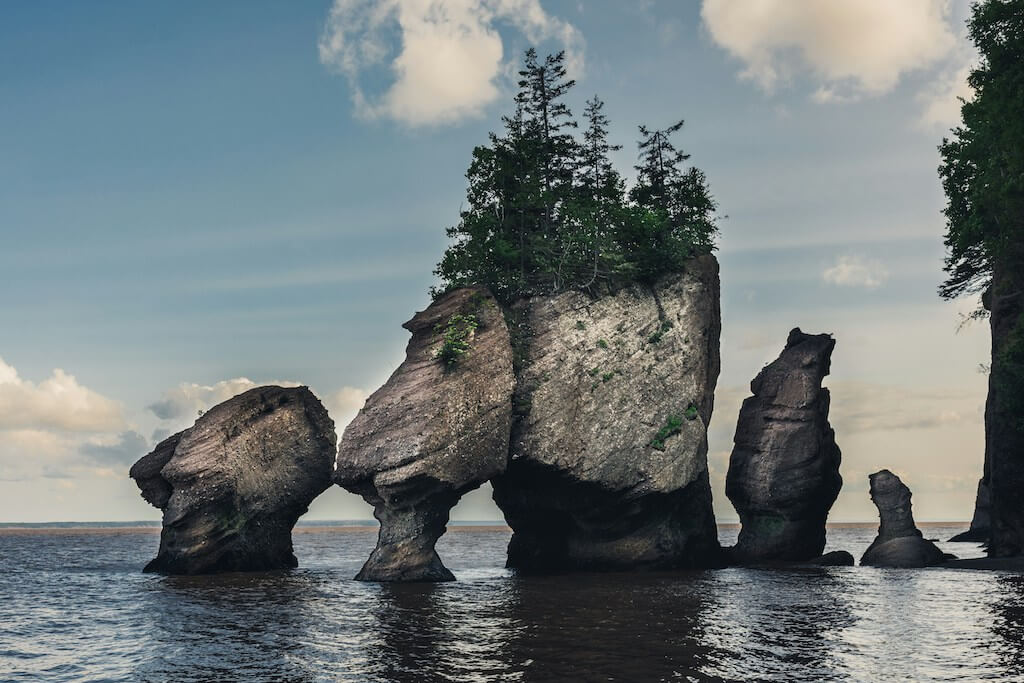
(74, 606)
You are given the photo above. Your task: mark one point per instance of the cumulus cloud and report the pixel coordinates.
(57, 403)
(445, 57)
(941, 102)
(187, 399)
(121, 449)
(855, 271)
(853, 49)
(344, 404)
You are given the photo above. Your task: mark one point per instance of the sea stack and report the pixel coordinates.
(438, 428)
(784, 469)
(608, 467)
(981, 522)
(1004, 406)
(232, 486)
(899, 542)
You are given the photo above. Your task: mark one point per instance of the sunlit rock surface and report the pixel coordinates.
(608, 465)
(232, 486)
(433, 432)
(784, 469)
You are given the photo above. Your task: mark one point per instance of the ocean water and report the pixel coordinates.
(74, 606)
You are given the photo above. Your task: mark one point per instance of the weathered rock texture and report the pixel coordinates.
(1004, 414)
(899, 543)
(981, 522)
(784, 470)
(433, 432)
(608, 465)
(232, 486)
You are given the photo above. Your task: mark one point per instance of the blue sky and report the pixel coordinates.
(195, 197)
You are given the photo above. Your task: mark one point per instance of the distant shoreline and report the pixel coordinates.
(341, 526)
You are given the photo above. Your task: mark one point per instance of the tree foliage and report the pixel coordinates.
(548, 211)
(982, 168)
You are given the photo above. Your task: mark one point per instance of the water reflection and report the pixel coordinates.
(1008, 623)
(219, 628)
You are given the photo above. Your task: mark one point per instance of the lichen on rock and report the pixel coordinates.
(608, 466)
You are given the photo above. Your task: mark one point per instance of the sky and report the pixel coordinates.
(197, 198)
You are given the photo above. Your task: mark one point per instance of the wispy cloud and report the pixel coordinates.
(856, 271)
(56, 403)
(444, 56)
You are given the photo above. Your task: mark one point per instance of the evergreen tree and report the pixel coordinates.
(548, 212)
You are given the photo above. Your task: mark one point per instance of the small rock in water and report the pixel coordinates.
(899, 542)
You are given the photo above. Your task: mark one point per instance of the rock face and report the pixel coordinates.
(784, 469)
(899, 543)
(434, 431)
(1004, 426)
(608, 465)
(981, 523)
(232, 486)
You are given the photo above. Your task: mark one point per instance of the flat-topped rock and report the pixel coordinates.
(608, 466)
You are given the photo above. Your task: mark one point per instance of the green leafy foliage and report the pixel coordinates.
(982, 168)
(547, 211)
(456, 335)
(673, 425)
(665, 326)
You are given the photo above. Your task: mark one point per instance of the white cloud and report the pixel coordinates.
(445, 56)
(942, 100)
(854, 271)
(186, 400)
(344, 404)
(57, 403)
(852, 48)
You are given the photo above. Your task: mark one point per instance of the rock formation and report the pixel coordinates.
(608, 466)
(1004, 426)
(438, 428)
(899, 543)
(981, 522)
(232, 486)
(784, 469)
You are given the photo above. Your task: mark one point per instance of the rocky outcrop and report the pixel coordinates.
(899, 543)
(232, 486)
(784, 469)
(438, 428)
(608, 466)
(981, 522)
(1004, 426)
(836, 558)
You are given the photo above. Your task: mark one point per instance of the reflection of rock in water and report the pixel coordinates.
(608, 627)
(1008, 622)
(426, 632)
(784, 625)
(218, 628)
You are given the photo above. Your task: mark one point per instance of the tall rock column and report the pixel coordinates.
(439, 427)
(784, 469)
(608, 465)
(1004, 415)
(232, 486)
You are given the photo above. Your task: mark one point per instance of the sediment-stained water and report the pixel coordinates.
(74, 606)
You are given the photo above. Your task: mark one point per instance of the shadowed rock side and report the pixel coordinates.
(608, 465)
(232, 486)
(784, 469)
(433, 432)
(981, 523)
(1004, 408)
(899, 542)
